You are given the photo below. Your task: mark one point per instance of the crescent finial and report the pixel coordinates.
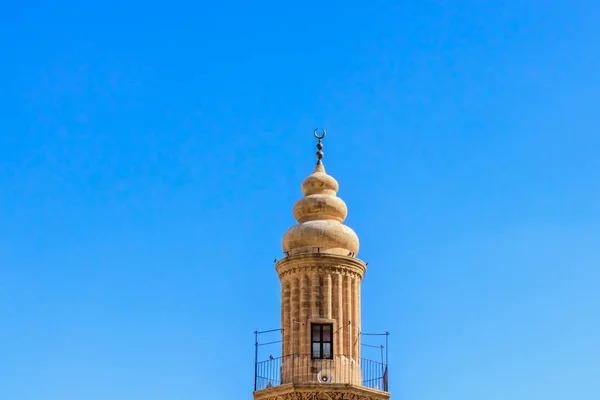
(322, 136)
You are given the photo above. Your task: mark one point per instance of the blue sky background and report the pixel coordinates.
(150, 155)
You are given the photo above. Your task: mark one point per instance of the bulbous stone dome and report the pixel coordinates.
(320, 215)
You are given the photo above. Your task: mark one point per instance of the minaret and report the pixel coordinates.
(320, 302)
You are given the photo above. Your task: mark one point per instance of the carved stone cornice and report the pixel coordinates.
(315, 262)
(320, 392)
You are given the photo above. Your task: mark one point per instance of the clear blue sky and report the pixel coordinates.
(150, 155)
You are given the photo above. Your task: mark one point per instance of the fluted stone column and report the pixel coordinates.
(339, 279)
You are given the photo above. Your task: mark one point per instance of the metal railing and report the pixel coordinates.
(300, 368)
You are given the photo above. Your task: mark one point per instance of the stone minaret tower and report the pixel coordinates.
(320, 302)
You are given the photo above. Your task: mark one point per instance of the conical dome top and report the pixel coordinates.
(320, 214)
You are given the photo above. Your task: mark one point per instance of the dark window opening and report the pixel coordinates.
(322, 341)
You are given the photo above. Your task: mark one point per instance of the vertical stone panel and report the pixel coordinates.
(319, 294)
(304, 311)
(355, 318)
(347, 296)
(295, 315)
(286, 317)
(314, 295)
(326, 297)
(339, 315)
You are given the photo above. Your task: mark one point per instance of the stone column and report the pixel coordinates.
(331, 292)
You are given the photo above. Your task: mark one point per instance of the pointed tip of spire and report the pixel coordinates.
(320, 167)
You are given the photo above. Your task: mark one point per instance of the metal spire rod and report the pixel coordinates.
(320, 144)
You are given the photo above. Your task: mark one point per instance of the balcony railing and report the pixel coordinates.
(300, 368)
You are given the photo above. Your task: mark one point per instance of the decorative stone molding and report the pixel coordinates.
(322, 263)
(318, 396)
(320, 392)
(334, 270)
